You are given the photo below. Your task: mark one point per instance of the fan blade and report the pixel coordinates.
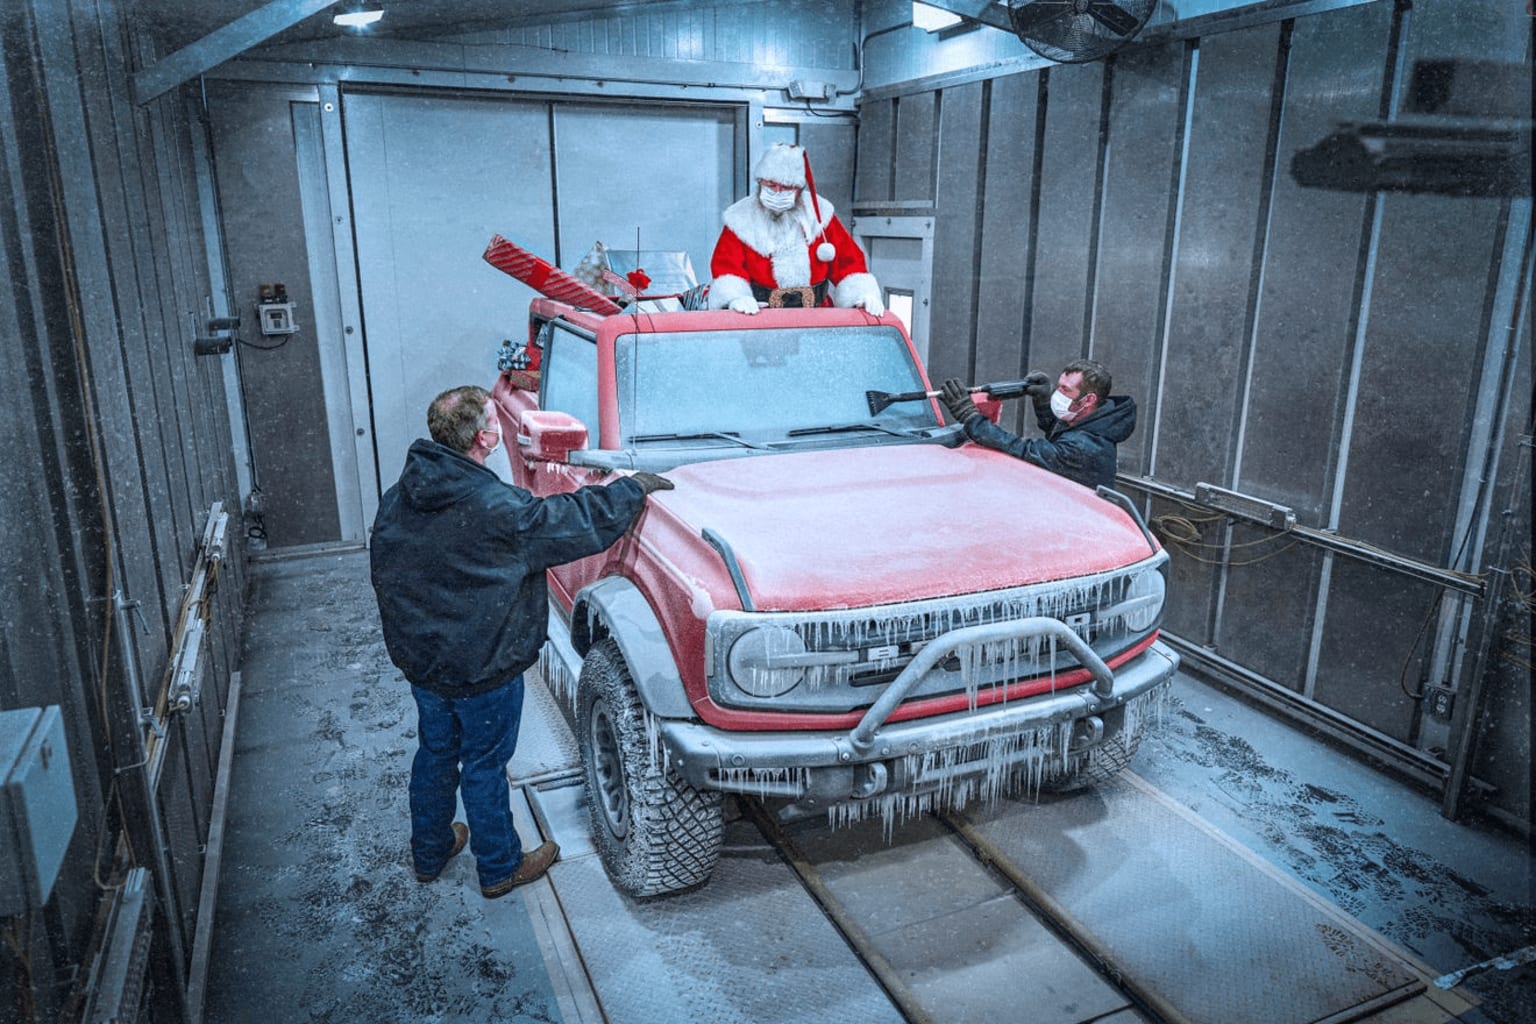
(1113, 18)
(1028, 17)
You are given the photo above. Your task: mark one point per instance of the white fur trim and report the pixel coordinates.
(723, 289)
(783, 238)
(856, 289)
(783, 164)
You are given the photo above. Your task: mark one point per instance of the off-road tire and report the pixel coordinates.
(1096, 765)
(655, 832)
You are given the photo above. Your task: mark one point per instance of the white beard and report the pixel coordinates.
(784, 238)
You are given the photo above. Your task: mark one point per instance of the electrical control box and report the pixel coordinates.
(276, 318)
(37, 806)
(274, 313)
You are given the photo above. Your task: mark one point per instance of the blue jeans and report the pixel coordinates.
(480, 733)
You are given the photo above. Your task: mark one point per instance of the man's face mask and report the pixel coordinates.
(1061, 405)
(495, 446)
(776, 199)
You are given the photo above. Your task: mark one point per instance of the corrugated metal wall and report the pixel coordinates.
(765, 33)
(1362, 358)
(117, 448)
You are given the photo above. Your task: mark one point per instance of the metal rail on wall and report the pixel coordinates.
(1450, 773)
(1264, 513)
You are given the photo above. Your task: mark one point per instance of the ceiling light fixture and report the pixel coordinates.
(933, 19)
(358, 17)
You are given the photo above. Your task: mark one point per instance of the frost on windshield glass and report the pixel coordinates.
(763, 383)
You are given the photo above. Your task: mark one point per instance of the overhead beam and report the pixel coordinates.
(221, 44)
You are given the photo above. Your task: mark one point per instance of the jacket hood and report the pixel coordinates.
(856, 527)
(436, 476)
(1114, 422)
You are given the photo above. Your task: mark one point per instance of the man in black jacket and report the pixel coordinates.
(458, 560)
(1082, 422)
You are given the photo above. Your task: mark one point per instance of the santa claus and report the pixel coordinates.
(784, 246)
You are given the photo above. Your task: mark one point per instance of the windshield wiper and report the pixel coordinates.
(843, 428)
(701, 435)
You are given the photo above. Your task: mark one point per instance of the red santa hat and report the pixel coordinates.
(783, 164)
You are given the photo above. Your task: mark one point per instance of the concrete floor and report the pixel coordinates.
(319, 918)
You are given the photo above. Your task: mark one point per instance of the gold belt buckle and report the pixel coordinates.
(792, 298)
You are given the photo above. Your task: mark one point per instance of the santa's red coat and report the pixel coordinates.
(749, 253)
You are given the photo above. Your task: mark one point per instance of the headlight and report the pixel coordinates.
(767, 661)
(1143, 601)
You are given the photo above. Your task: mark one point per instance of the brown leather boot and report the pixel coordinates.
(460, 839)
(535, 863)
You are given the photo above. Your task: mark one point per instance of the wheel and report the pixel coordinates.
(1095, 765)
(656, 833)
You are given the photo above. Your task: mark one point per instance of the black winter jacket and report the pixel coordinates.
(458, 559)
(1083, 451)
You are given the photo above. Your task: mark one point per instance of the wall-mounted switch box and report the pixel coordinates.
(37, 806)
(276, 318)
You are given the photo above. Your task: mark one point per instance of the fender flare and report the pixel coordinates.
(630, 620)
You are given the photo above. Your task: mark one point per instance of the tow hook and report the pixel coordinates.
(1087, 732)
(868, 780)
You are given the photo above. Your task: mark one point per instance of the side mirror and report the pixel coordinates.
(548, 436)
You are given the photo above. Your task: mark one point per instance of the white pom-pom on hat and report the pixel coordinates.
(825, 252)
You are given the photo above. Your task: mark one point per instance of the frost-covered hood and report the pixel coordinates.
(853, 527)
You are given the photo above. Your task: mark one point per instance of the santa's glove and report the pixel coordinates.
(1038, 385)
(873, 306)
(958, 401)
(744, 304)
(652, 482)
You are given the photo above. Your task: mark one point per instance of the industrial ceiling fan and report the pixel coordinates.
(1077, 31)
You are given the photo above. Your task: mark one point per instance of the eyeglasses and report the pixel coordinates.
(775, 186)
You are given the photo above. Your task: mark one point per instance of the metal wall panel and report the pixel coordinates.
(1003, 278)
(1314, 259)
(603, 153)
(115, 451)
(873, 181)
(1502, 744)
(1269, 598)
(1191, 581)
(917, 139)
(782, 33)
(1406, 456)
(831, 146)
(1141, 177)
(107, 364)
(1298, 376)
(432, 179)
(956, 221)
(1373, 651)
(264, 235)
(1214, 266)
(1065, 228)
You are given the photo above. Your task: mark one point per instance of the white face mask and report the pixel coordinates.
(776, 201)
(1061, 405)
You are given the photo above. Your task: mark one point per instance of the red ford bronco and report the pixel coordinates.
(836, 610)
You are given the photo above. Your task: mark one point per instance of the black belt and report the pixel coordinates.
(791, 298)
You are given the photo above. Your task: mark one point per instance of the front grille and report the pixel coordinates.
(847, 656)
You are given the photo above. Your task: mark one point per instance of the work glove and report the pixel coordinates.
(652, 482)
(1038, 385)
(744, 304)
(958, 401)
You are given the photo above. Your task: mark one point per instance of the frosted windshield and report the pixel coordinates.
(761, 384)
